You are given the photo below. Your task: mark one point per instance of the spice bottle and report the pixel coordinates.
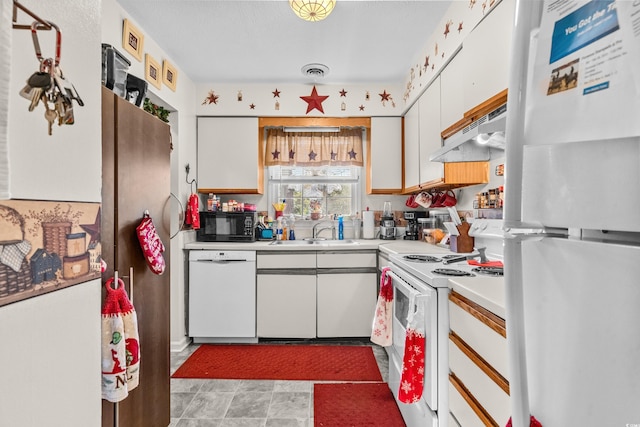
(210, 202)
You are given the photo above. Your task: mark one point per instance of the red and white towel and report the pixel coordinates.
(120, 344)
(381, 333)
(193, 212)
(412, 379)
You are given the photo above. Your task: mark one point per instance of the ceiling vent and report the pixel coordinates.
(315, 71)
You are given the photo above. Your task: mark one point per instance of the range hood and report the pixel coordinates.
(479, 141)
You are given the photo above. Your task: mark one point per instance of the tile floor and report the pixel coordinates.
(247, 403)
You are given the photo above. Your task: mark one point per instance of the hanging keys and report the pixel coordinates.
(49, 114)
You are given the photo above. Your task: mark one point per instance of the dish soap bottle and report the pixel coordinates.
(340, 228)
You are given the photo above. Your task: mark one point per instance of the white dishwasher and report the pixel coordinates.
(222, 296)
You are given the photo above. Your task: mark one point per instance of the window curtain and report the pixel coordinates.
(6, 15)
(342, 148)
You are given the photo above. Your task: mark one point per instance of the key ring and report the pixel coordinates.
(36, 42)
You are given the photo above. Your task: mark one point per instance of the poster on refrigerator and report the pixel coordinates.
(582, 82)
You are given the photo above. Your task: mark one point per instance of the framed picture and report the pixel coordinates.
(153, 72)
(169, 75)
(132, 40)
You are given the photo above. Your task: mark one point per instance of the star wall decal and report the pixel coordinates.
(459, 27)
(361, 107)
(343, 93)
(292, 154)
(276, 93)
(314, 101)
(446, 28)
(275, 154)
(334, 155)
(384, 95)
(93, 229)
(426, 62)
(472, 3)
(252, 106)
(312, 155)
(211, 98)
(352, 154)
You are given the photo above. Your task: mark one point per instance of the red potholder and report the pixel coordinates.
(151, 245)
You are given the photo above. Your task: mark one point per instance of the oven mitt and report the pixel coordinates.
(151, 245)
(382, 330)
(412, 379)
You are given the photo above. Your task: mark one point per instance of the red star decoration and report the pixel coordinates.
(384, 95)
(459, 27)
(275, 154)
(211, 98)
(446, 29)
(252, 106)
(291, 154)
(276, 93)
(361, 107)
(314, 101)
(343, 93)
(93, 229)
(352, 154)
(312, 155)
(426, 62)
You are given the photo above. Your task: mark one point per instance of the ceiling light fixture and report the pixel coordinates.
(312, 10)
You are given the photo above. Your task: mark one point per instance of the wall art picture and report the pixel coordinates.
(132, 40)
(46, 246)
(153, 72)
(169, 75)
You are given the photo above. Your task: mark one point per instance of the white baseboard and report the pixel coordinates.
(178, 346)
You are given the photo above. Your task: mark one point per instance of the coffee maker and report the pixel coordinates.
(387, 223)
(411, 230)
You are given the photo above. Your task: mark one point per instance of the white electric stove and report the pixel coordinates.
(423, 279)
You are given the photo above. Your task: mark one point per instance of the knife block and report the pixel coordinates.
(462, 243)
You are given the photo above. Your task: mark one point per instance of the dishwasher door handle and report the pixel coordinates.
(221, 261)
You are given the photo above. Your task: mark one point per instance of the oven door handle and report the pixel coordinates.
(401, 283)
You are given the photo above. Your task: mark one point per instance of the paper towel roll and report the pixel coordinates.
(368, 225)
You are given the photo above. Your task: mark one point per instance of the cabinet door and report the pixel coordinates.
(490, 39)
(430, 139)
(286, 306)
(346, 304)
(229, 155)
(384, 174)
(412, 149)
(452, 105)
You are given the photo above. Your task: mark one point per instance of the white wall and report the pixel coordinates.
(182, 103)
(50, 358)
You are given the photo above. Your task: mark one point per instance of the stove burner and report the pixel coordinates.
(450, 256)
(421, 258)
(489, 271)
(451, 272)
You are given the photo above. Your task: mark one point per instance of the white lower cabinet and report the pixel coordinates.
(346, 304)
(286, 305)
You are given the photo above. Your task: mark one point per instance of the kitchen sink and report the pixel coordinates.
(316, 242)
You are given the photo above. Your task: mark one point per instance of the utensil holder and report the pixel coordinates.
(462, 243)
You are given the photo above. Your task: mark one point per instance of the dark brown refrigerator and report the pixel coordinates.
(136, 149)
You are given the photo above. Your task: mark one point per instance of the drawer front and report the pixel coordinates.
(490, 345)
(461, 410)
(346, 260)
(287, 260)
(484, 390)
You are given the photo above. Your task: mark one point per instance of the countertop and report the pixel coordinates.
(387, 246)
(486, 291)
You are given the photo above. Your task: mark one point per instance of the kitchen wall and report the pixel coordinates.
(50, 357)
(183, 131)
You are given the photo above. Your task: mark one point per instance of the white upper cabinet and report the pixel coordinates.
(430, 139)
(486, 56)
(385, 171)
(412, 148)
(229, 157)
(452, 103)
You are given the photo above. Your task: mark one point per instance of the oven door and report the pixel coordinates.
(426, 295)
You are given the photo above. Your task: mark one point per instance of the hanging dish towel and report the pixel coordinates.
(412, 380)
(382, 323)
(193, 212)
(120, 344)
(151, 245)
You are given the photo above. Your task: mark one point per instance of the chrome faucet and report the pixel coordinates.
(315, 230)
(480, 253)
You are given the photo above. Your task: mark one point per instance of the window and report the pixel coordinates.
(322, 191)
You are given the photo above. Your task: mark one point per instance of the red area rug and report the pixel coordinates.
(355, 405)
(281, 362)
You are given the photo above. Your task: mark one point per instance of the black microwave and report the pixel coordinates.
(227, 227)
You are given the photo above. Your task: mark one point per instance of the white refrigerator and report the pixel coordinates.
(572, 214)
